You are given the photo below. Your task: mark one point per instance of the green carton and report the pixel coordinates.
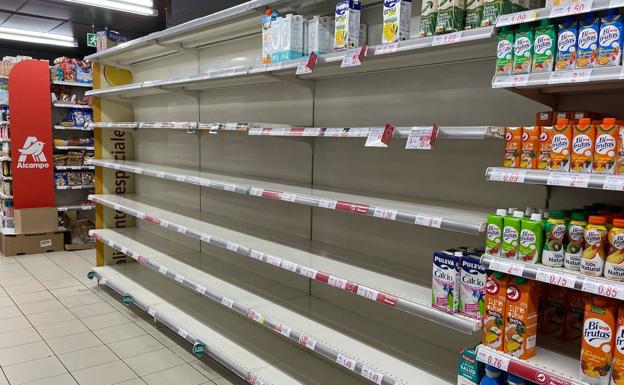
(428, 18)
(450, 16)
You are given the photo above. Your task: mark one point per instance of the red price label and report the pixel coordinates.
(556, 278)
(353, 57)
(306, 66)
(571, 9)
(601, 288)
(492, 358)
(510, 176)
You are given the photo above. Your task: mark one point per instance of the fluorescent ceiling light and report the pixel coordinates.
(37, 37)
(141, 7)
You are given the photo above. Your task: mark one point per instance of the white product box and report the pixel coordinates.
(347, 27)
(318, 31)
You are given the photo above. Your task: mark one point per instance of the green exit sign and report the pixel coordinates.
(92, 40)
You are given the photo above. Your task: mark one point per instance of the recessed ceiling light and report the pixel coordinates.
(37, 37)
(141, 7)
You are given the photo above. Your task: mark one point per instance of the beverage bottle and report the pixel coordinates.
(576, 241)
(594, 255)
(614, 267)
(555, 229)
(492, 376)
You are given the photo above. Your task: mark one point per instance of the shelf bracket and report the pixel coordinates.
(307, 83)
(181, 49)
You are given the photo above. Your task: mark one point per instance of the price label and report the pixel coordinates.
(253, 380)
(311, 131)
(426, 220)
(449, 38)
(256, 191)
(307, 272)
(307, 342)
(206, 238)
(614, 183)
(200, 289)
(516, 18)
(180, 178)
(103, 281)
(383, 49)
(601, 288)
(372, 374)
(159, 174)
(327, 204)
(421, 138)
(385, 213)
(230, 126)
(306, 65)
(231, 246)
(511, 176)
(379, 136)
(333, 132)
(275, 261)
(493, 359)
(568, 179)
(575, 76)
(556, 278)
(571, 9)
(256, 255)
(229, 187)
(510, 81)
(289, 266)
(367, 293)
(254, 315)
(283, 330)
(288, 197)
(507, 267)
(182, 333)
(227, 302)
(353, 57)
(164, 223)
(162, 270)
(337, 282)
(151, 311)
(179, 278)
(181, 229)
(345, 361)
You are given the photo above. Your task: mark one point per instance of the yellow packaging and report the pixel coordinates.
(397, 16)
(614, 267)
(597, 343)
(530, 147)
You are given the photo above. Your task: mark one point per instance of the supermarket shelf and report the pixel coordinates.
(5, 158)
(74, 168)
(556, 178)
(295, 255)
(546, 367)
(7, 230)
(86, 128)
(2, 177)
(3, 196)
(72, 84)
(556, 276)
(71, 105)
(81, 187)
(445, 218)
(5, 140)
(558, 11)
(87, 148)
(232, 356)
(298, 328)
(75, 207)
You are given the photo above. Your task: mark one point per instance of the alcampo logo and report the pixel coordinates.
(491, 287)
(33, 149)
(513, 293)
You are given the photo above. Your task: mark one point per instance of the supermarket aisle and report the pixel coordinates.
(59, 328)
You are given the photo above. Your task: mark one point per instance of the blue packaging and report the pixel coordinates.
(589, 28)
(566, 45)
(610, 39)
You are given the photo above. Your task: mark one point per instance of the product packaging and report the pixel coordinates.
(546, 134)
(606, 146)
(597, 342)
(567, 45)
(617, 373)
(347, 25)
(545, 118)
(428, 18)
(397, 17)
(555, 298)
(492, 9)
(583, 138)
(474, 13)
(511, 235)
(530, 147)
(561, 146)
(267, 21)
(544, 48)
(513, 146)
(589, 27)
(531, 239)
(495, 304)
(619, 153)
(523, 49)
(504, 51)
(494, 237)
(610, 39)
(594, 255)
(555, 230)
(614, 267)
(446, 279)
(472, 288)
(319, 30)
(576, 241)
(450, 16)
(291, 27)
(469, 369)
(521, 317)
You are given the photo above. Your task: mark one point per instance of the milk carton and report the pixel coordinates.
(397, 16)
(472, 289)
(446, 279)
(347, 25)
(291, 47)
(319, 31)
(267, 20)
(275, 39)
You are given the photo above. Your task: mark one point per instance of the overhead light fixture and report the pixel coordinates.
(37, 37)
(141, 7)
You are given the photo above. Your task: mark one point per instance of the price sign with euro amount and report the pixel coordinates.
(516, 18)
(571, 9)
(421, 138)
(448, 38)
(353, 57)
(307, 65)
(510, 81)
(510, 176)
(493, 359)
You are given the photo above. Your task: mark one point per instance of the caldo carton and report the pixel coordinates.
(597, 342)
(561, 145)
(446, 279)
(530, 147)
(584, 135)
(513, 146)
(492, 9)
(347, 25)
(472, 290)
(617, 374)
(606, 146)
(495, 300)
(397, 15)
(521, 318)
(450, 16)
(474, 13)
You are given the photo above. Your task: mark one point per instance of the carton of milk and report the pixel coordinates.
(472, 288)
(291, 47)
(319, 31)
(347, 25)
(446, 281)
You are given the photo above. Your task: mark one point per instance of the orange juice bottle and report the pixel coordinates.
(521, 317)
(546, 134)
(495, 299)
(606, 146)
(594, 255)
(574, 315)
(583, 138)
(561, 145)
(619, 152)
(530, 147)
(555, 299)
(597, 343)
(513, 146)
(617, 374)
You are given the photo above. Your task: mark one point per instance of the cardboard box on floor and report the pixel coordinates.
(78, 231)
(36, 220)
(21, 244)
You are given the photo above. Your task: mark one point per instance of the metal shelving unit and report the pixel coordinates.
(72, 84)
(85, 128)
(76, 207)
(86, 148)
(74, 168)
(77, 187)
(71, 105)
(557, 11)
(556, 178)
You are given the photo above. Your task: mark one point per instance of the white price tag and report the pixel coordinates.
(568, 179)
(602, 288)
(255, 316)
(616, 4)
(283, 330)
(182, 333)
(571, 9)
(383, 49)
(289, 266)
(278, 131)
(493, 359)
(556, 278)
(379, 136)
(180, 178)
(123, 250)
(200, 289)
(421, 138)
(229, 187)
(227, 302)
(327, 204)
(448, 38)
(385, 213)
(275, 261)
(181, 229)
(353, 57)
(307, 272)
(508, 267)
(116, 207)
(311, 131)
(372, 374)
(510, 81)
(574, 76)
(164, 223)
(516, 18)
(615, 183)
(307, 342)
(306, 65)
(230, 126)
(510, 175)
(345, 361)
(159, 174)
(179, 278)
(206, 238)
(288, 197)
(256, 191)
(256, 255)
(231, 246)
(103, 281)
(162, 270)
(255, 131)
(151, 311)
(333, 132)
(426, 220)
(337, 282)
(367, 293)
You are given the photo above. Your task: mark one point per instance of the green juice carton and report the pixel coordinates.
(450, 16)
(523, 49)
(494, 232)
(504, 51)
(492, 9)
(511, 235)
(531, 239)
(470, 370)
(428, 18)
(544, 47)
(576, 241)
(474, 13)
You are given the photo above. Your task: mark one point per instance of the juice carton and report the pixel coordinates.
(544, 118)
(619, 153)
(513, 146)
(562, 115)
(450, 16)
(446, 278)
(492, 9)
(606, 146)
(555, 230)
(319, 31)
(511, 235)
(472, 288)
(583, 138)
(531, 239)
(523, 49)
(494, 233)
(267, 20)
(397, 17)
(576, 241)
(544, 48)
(530, 147)
(347, 25)
(521, 318)
(555, 299)
(495, 303)
(474, 13)
(610, 39)
(546, 134)
(574, 315)
(469, 370)
(597, 343)
(292, 37)
(617, 374)
(428, 18)
(566, 45)
(561, 146)
(504, 51)
(594, 255)
(587, 53)
(614, 267)
(275, 37)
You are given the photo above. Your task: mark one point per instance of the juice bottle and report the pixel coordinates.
(561, 146)
(523, 49)
(494, 239)
(450, 16)
(614, 267)
(521, 317)
(545, 47)
(511, 235)
(566, 44)
(495, 300)
(617, 374)
(587, 53)
(555, 230)
(574, 315)
(606, 146)
(576, 241)
(597, 343)
(546, 134)
(610, 39)
(584, 136)
(504, 51)
(594, 256)
(530, 147)
(531, 239)
(513, 146)
(555, 299)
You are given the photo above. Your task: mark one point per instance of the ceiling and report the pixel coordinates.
(61, 17)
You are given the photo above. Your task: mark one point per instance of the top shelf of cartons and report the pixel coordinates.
(580, 7)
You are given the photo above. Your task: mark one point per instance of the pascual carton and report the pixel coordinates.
(397, 17)
(583, 138)
(446, 278)
(319, 31)
(606, 146)
(561, 146)
(347, 25)
(472, 288)
(597, 342)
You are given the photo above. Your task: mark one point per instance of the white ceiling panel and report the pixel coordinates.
(12, 5)
(47, 9)
(66, 29)
(30, 23)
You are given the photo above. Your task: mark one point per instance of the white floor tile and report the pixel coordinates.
(155, 361)
(105, 320)
(179, 375)
(23, 353)
(25, 298)
(61, 329)
(41, 307)
(18, 281)
(92, 310)
(73, 343)
(50, 317)
(63, 379)
(70, 291)
(87, 358)
(208, 370)
(19, 337)
(22, 289)
(111, 373)
(33, 370)
(79, 300)
(10, 312)
(15, 323)
(135, 346)
(119, 333)
(61, 283)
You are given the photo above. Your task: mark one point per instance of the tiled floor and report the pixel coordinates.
(59, 328)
